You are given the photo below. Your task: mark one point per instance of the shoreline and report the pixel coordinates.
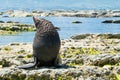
(64, 13)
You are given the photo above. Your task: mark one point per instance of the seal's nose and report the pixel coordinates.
(34, 19)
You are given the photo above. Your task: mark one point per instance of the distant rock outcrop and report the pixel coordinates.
(67, 13)
(111, 21)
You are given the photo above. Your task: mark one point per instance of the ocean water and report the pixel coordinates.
(67, 28)
(58, 4)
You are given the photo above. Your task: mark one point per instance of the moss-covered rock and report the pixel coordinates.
(15, 26)
(4, 63)
(82, 36)
(103, 36)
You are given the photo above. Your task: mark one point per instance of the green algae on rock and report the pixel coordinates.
(10, 28)
(81, 51)
(16, 27)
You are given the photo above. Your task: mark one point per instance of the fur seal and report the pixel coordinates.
(46, 45)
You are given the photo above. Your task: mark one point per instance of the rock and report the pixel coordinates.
(79, 73)
(82, 36)
(68, 13)
(107, 21)
(111, 21)
(76, 22)
(15, 62)
(12, 22)
(16, 26)
(29, 15)
(4, 63)
(102, 59)
(117, 69)
(1, 21)
(9, 22)
(17, 13)
(1, 13)
(15, 43)
(5, 16)
(116, 21)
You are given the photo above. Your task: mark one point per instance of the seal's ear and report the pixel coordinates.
(57, 28)
(36, 21)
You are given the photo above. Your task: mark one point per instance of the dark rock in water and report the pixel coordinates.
(1, 21)
(76, 22)
(111, 21)
(108, 21)
(116, 21)
(14, 43)
(10, 22)
(5, 16)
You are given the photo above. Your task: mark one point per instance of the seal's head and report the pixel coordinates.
(44, 25)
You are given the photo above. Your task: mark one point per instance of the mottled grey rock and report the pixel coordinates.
(83, 72)
(102, 59)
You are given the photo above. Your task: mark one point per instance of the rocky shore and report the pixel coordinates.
(87, 56)
(66, 13)
(10, 27)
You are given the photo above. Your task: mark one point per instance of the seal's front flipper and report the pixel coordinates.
(30, 65)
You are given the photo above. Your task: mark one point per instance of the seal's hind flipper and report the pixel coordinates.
(30, 65)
